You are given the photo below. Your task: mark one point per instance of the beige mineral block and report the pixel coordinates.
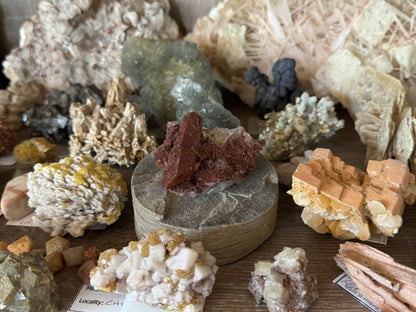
(73, 256)
(57, 244)
(14, 202)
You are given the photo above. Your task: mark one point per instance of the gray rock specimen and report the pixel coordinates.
(230, 223)
(27, 284)
(174, 79)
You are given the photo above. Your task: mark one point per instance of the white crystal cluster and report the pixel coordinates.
(80, 41)
(298, 127)
(162, 270)
(75, 193)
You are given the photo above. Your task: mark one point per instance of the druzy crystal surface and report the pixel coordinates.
(174, 79)
(27, 284)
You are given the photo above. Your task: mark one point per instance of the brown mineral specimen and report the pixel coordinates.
(7, 138)
(73, 256)
(91, 253)
(337, 199)
(3, 245)
(194, 159)
(387, 284)
(85, 269)
(23, 244)
(54, 261)
(14, 201)
(57, 244)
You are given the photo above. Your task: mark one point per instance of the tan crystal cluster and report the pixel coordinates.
(162, 270)
(337, 199)
(116, 133)
(74, 193)
(387, 284)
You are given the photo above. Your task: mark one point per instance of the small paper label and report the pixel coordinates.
(347, 284)
(25, 221)
(90, 300)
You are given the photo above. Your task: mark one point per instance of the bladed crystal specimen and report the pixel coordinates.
(27, 283)
(174, 79)
(194, 159)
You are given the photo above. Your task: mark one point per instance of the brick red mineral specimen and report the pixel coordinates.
(194, 159)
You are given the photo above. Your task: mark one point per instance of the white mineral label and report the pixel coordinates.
(346, 283)
(90, 300)
(25, 221)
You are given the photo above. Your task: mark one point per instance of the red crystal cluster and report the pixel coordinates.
(193, 160)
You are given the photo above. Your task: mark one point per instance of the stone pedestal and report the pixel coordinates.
(230, 223)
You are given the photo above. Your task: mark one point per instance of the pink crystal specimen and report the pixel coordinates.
(194, 159)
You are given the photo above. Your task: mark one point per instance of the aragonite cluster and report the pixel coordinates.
(80, 41)
(74, 193)
(299, 127)
(7, 138)
(284, 285)
(162, 270)
(27, 284)
(174, 79)
(116, 133)
(195, 159)
(337, 199)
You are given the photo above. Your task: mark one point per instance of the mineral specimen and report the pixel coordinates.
(14, 201)
(35, 150)
(23, 244)
(299, 127)
(194, 159)
(162, 270)
(284, 285)
(172, 75)
(116, 133)
(7, 138)
(54, 261)
(338, 199)
(80, 41)
(57, 244)
(75, 193)
(73, 256)
(51, 120)
(274, 97)
(389, 285)
(27, 283)
(3, 245)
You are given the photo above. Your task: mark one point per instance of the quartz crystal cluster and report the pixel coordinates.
(174, 79)
(298, 127)
(195, 159)
(116, 133)
(51, 119)
(75, 193)
(26, 283)
(162, 270)
(284, 285)
(338, 199)
(7, 138)
(80, 41)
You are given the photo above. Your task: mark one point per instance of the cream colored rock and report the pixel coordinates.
(14, 201)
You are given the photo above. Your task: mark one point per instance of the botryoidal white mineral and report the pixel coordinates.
(299, 127)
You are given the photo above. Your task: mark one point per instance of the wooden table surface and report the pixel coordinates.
(230, 290)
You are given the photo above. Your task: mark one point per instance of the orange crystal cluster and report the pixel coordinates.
(340, 200)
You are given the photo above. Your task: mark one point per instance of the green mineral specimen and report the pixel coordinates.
(174, 79)
(26, 283)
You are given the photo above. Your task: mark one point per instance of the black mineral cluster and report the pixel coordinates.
(51, 120)
(274, 97)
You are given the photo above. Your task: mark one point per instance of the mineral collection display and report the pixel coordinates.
(51, 119)
(7, 139)
(116, 133)
(162, 270)
(27, 283)
(284, 285)
(212, 187)
(340, 200)
(174, 79)
(68, 42)
(75, 193)
(389, 285)
(298, 127)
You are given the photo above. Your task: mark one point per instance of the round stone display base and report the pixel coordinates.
(230, 223)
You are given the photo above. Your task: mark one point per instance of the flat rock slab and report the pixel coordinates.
(230, 223)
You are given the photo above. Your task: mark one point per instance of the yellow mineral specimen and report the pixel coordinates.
(35, 150)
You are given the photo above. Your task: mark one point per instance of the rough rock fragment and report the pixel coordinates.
(80, 41)
(73, 256)
(23, 244)
(387, 284)
(54, 261)
(14, 201)
(27, 283)
(57, 244)
(339, 200)
(7, 138)
(298, 127)
(194, 159)
(284, 285)
(116, 133)
(75, 193)
(171, 73)
(34, 150)
(3, 245)
(162, 270)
